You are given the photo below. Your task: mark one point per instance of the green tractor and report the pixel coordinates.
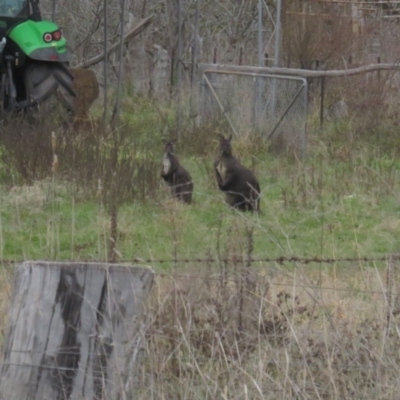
(34, 62)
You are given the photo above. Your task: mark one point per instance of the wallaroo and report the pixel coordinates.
(177, 178)
(241, 188)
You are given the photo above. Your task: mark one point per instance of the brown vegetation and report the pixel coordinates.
(262, 333)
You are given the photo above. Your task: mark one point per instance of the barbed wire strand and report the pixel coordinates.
(214, 277)
(278, 260)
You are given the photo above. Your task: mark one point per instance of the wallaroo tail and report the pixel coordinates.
(176, 177)
(241, 187)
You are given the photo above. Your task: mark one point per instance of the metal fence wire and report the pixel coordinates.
(274, 106)
(262, 328)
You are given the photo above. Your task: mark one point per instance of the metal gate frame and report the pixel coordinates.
(303, 88)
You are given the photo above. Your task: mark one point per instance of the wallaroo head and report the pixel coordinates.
(168, 146)
(225, 147)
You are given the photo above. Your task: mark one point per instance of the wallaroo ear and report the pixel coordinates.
(169, 146)
(166, 141)
(230, 137)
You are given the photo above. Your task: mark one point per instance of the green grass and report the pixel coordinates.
(341, 201)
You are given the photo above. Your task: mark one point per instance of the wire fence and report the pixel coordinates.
(279, 260)
(273, 106)
(265, 328)
(295, 321)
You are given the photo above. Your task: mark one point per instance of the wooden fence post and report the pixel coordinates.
(72, 330)
(321, 110)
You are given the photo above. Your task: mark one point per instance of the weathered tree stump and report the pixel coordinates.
(72, 330)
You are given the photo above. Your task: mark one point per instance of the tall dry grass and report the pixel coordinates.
(237, 329)
(233, 332)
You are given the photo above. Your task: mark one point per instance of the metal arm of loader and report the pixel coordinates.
(3, 43)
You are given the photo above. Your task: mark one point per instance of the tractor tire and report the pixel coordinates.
(49, 85)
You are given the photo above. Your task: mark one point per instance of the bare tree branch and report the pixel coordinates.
(128, 36)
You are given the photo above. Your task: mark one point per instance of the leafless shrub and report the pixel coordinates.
(87, 162)
(26, 151)
(85, 159)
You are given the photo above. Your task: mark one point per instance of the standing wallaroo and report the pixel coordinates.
(241, 188)
(176, 177)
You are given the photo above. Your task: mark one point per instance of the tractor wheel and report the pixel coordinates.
(49, 85)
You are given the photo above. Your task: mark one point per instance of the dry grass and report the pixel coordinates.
(241, 330)
(264, 333)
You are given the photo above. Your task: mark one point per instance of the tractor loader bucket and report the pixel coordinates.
(86, 88)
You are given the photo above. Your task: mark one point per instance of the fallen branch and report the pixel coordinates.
(238, 69)
(138, 29)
